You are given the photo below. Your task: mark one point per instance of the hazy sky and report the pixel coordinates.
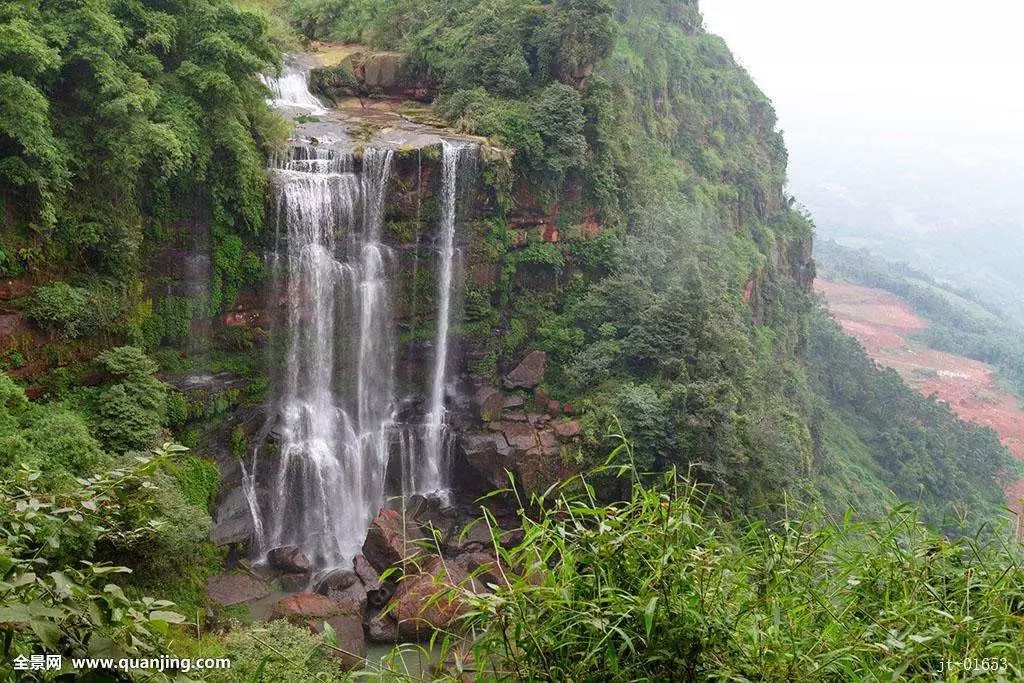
(902, 65)
(901, 116)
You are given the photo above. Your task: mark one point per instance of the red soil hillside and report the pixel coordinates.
(882, 322)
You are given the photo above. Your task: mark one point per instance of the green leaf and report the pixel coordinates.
(47, 632)
(164, 615)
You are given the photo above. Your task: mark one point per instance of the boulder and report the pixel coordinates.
(474, 537)
(289, 559)
(567, 429)
(482, 453)
(390, 540)
(512, 538)
(513, 401)
(436, 521)
(366, 573)
(352, 599)
(382, 628)
(421, 603)
(337, 580)
(519, 435)
(549, 444)
(232, 520)
(235, 588)
(304, 607)
(483, 567)
(529, 372)
(488, 403)
(351, 643)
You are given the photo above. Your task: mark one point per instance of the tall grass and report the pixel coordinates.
(656, 587)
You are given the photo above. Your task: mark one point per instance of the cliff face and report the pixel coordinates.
(627, 225)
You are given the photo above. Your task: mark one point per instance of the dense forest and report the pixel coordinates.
(743, 465)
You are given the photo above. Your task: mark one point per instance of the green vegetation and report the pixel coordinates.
(114, 113)
(278, 651)
(655, 587)
(873, 433)
(631, 117)
(57, 592)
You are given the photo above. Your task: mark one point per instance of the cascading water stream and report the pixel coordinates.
(317, 475)
(332, 438)
(432, 469)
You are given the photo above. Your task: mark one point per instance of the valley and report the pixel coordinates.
(885, 325)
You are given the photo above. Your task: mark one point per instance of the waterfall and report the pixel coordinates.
(291, 88)
(432, 471)
(332, 434)
(317, 474)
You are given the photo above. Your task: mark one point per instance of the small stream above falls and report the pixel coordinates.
(342, 436)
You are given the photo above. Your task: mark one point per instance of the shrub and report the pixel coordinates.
(131, 409)
(61, 308)
(61, 446)
(54, 595)
(277, 651)
(655, 588)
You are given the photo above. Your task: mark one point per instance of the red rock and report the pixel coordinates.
(390, 540)
(529, 372)
(235, 588)
(554, 408)
(351, 645)
(549, 233)
(568, 429)
(416, 610)
(302, 606)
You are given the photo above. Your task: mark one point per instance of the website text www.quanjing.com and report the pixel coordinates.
(162, 663)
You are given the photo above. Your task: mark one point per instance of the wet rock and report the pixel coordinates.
(232, 521)
(289, 559)
(568, 429)
(422, 603)
(353, 598)
(488, 403)
(351, 642)
(303, 607)
(390, 540)
(382, 628)
(337, 580)
(366, 573)
(235, 588)
(529, 372)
